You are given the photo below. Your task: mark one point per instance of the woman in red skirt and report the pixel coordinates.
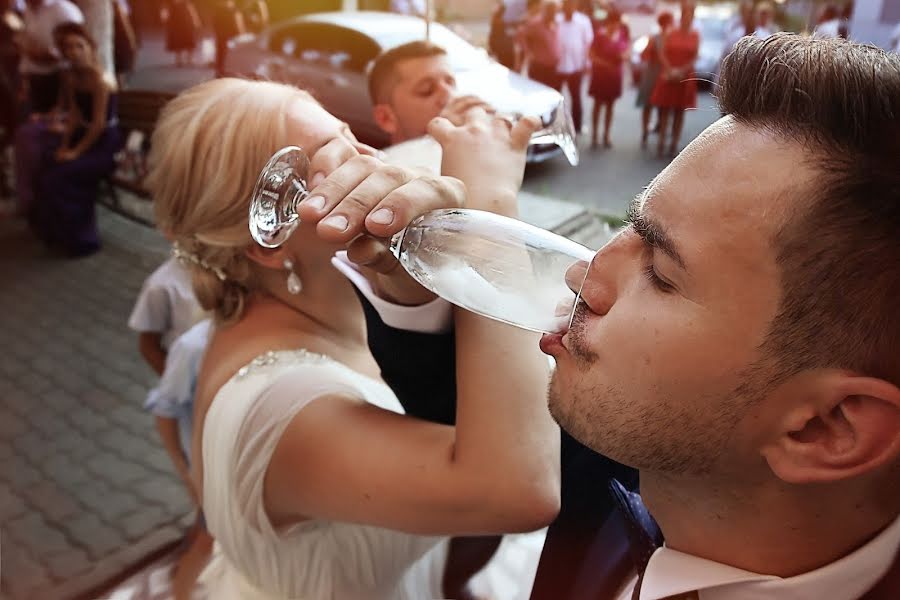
(676, 88)
(608, 52)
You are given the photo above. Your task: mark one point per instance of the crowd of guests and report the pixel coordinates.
(59, 103)
(560, 45)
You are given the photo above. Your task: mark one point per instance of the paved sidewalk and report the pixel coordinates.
(86, 491)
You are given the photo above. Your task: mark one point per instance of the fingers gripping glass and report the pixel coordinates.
(495, 266)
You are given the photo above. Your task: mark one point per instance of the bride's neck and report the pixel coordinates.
(327, 307)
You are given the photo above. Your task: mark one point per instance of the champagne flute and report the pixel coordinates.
(495, 266)
(557, 127)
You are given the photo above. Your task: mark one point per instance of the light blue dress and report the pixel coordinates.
(173, 398)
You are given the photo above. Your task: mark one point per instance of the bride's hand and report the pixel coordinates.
(388, 278)
(364, 202)
(366, 196)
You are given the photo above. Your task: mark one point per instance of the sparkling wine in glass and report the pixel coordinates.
(495, 266)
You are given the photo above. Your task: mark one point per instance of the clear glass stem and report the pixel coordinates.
(397, 243)
(290, 208)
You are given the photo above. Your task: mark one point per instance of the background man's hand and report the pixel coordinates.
(487, 153)
(456, 110)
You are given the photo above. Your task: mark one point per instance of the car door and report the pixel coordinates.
(330, 61)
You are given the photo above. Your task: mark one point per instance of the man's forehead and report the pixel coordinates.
(412, 70)
(731, 167)
(730, 190)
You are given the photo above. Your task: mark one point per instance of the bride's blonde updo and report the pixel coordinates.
(208, 148)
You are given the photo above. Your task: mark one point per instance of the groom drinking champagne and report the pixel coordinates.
(738, 344)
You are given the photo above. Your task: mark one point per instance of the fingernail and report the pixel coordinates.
(317, 179)
(382, 216)
(338, 222)
(316, 202)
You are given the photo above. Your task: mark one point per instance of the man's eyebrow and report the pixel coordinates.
(652, 233)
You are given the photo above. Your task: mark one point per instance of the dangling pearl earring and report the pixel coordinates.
(294, 285)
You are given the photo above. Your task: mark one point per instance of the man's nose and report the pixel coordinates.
(575, 275)
(604, 276)
(444, 93)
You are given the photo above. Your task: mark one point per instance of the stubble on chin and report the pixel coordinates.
(576, 338)
(578, 411)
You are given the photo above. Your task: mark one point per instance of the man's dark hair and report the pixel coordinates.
(839, 250)
(383, 73)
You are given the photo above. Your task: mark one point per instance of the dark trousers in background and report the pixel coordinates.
(545, 74)
(573, 82)
(43, 91)
(221, 50)
(32, 140)
(227, 23)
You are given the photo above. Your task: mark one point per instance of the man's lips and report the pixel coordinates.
(552, 343)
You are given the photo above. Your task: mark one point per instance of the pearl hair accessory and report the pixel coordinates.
(189, 257)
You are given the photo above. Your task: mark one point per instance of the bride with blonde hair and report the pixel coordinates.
(314, 483)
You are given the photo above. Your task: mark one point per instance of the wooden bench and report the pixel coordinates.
(138, 111)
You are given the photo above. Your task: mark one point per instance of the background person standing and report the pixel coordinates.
(650, 58)
(539, 40)
(227, 23)
(676, 88)
(182, 24)
(608, 51)
(501, 44)
(576, 34)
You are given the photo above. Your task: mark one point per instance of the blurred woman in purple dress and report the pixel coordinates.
(63, 212)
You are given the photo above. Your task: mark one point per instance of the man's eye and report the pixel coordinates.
(657, 281)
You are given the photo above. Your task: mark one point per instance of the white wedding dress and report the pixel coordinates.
(314, 560)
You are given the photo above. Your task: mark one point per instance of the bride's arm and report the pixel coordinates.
(497, 471)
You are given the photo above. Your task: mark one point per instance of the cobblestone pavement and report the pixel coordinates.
(86, 490)
(154, 582)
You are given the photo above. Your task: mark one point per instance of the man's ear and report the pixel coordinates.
(385, 118)
(845, 425)
(270, 258)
